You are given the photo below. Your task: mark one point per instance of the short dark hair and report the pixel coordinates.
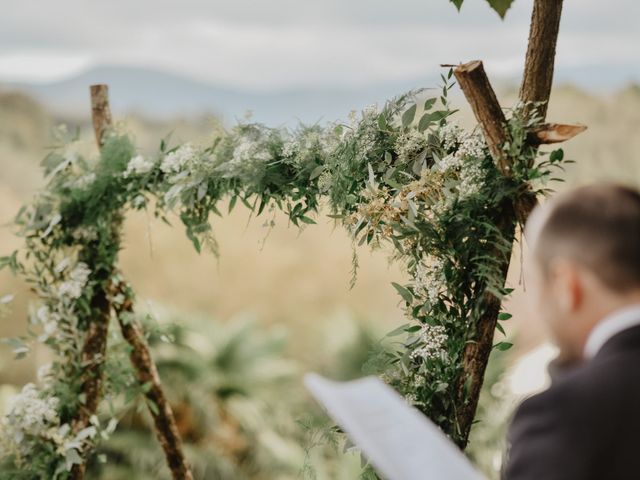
(598, 226)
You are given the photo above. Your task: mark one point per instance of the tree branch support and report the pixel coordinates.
(534, 93)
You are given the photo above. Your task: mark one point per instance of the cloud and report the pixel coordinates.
(41, 67)
(289, 44)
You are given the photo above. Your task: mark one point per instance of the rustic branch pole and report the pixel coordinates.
(95, 345)
(478, 91)
(541, 54)
(100, 111)
(160, 409)
(535, 89)
(94, 348)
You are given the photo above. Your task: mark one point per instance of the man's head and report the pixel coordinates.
(585, 260)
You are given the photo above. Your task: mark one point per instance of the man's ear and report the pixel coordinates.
(567, 284)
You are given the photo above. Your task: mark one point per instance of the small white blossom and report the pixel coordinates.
(175, 161)
(433, 339)
(249, 159)
(448, 163)
(78, 277)
(49, 321)
(290, 148)
(472, 146)
(324, 181)
(409, 145)
(429, 280)
(139, 165)
(465, 161)
(33, 419)
(472, 179)
(465, 144)
(29, 415)
(248, 150)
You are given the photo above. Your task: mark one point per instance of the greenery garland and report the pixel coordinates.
(416, 182)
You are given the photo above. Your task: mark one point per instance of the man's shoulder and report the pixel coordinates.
(603, 383)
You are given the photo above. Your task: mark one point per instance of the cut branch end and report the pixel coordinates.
(550, 133)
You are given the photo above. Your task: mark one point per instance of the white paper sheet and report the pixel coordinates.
(397, 439)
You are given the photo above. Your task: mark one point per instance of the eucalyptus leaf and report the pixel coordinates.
(409, 115)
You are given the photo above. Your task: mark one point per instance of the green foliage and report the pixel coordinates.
(500, 6)
(225, 386)
(404, 175)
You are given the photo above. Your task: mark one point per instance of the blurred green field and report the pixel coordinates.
(291, 280)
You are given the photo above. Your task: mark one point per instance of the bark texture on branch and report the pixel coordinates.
(165, 424)
(100, 111)
(94, 348)
(480, 94)
(541, 53)
(536, 87)
(95, 344)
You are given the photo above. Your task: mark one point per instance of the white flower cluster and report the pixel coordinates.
(364, 129)
(325, 181)
(472, 146)
(411, 399)
(450, 134)
(57, 316)
(428, 280)
(177, 160)
(305, 146)
(49, 321)
(290, 148)
(30, 415)
(139, 165)
(76, 281)
(433, 339)
(33, 418)
(187, 169)
(472, 178)
(409, 145)
(464, 161)
(249, 160)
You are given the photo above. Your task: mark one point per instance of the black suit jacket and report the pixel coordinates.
(587, 424)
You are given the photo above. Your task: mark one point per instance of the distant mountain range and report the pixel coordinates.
(159, 94)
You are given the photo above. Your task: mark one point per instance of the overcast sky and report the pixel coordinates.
(273, 45)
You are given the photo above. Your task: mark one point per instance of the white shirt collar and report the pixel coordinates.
(608, 327)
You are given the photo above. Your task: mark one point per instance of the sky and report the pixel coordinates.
(279, 45)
